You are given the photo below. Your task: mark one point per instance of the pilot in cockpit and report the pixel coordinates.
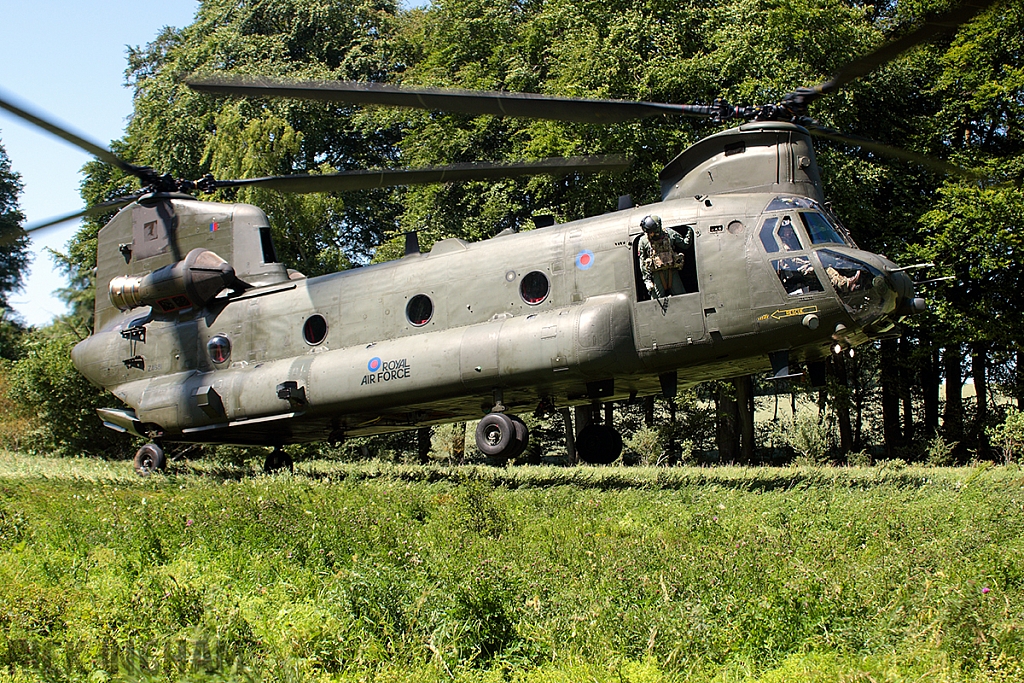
(788, 241)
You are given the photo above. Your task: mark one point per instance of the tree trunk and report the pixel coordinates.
(979, 369)
(727, 432)
(890, 398)
(672, 430)
(423, 444)
(953, 415)
(931, 380)
(841, 403)
(856, 385)
(1020, 380)
(745, 404)
(905, 367)
(572, 457)
(648, 411)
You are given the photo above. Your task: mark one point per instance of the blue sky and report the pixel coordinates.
(67, 59)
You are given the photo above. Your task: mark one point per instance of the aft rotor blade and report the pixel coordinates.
(932, 163)
(96, 210)
(362, 180)
(947, 22)
(476, 102)
(98, 151)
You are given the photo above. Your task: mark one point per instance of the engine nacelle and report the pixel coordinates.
(189, 283)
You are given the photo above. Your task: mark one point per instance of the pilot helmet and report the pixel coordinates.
(651, 224)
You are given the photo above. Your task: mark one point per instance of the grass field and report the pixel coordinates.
(385, 573)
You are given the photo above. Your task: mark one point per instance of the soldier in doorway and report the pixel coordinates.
(662, 253)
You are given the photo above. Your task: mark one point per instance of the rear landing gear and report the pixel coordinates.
(278, 460)
(596, 443)
(149, 459)
(599, 444)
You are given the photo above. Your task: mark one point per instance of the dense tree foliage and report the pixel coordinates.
(957, 99)
(14, 256)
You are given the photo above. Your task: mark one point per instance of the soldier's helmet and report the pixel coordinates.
(651, 224)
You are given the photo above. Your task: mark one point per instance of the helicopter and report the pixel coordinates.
(205, 337)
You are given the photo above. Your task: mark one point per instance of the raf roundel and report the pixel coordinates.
(585, 259)
(374, 364)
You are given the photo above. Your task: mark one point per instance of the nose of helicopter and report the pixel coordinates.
(876, 292)
(906, 303)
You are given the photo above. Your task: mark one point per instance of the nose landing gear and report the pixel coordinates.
(278, 460)
(149, 459)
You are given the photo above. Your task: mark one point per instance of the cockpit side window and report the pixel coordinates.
(820, 230)
(797, 275)
(784, 237)
(768, 234)
(788, 238)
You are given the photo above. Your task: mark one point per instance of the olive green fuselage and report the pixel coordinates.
(556, 316)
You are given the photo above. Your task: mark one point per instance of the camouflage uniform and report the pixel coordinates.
(661, 260)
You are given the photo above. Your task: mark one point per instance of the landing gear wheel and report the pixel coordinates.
(149, 459)
(522, 437)
(496, 434)
(599, 444)
(502, 436)
(278, 460)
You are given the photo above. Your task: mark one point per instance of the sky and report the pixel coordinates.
(65, 60)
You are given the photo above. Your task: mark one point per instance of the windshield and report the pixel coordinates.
(788, 203)
(861, 287)
(820, 229)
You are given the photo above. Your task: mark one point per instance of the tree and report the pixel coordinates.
(63, 402)
(187, 134)
(14, 255)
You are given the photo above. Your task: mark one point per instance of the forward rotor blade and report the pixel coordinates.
(362, 180)
(98, 151)
(947, 22)
(476, 102)
(932, 163)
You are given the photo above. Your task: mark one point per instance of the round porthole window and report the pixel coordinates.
(419, 310)
(314, 330)
(219, 348)
(534, 287)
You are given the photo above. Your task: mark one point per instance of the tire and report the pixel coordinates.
(495, 434)
(599, 445)
(278, 460)
(149, 459)
(522, 437)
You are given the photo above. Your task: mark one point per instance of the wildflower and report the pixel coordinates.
(188, 522)
(986, 590)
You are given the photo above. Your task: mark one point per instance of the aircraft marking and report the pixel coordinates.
(781, 313)
(384, 371)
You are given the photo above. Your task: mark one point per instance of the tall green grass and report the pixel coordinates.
(388, 573)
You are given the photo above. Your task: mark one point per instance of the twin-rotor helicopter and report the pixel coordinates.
(204, 336)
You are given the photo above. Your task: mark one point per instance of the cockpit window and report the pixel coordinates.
(847, 275)
(820, 230)
(768, 235)
(797, 275)
(789, 203)
(780, 235)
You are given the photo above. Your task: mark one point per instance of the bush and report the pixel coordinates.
(941, 453)
(809, 437)
(1009, 436)
(63, 403)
